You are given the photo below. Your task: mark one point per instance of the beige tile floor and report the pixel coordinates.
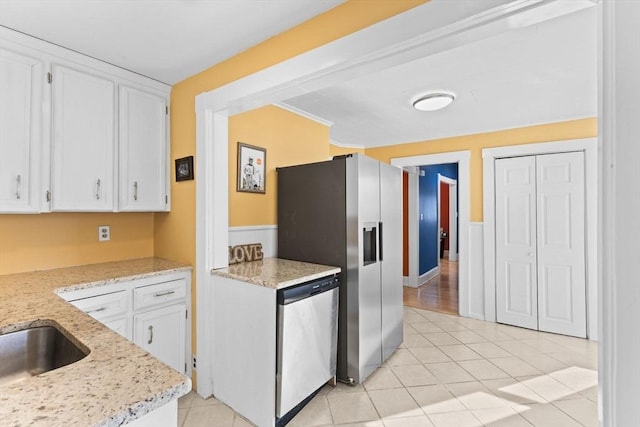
(456, 372)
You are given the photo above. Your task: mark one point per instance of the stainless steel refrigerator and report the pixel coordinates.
(347, 212)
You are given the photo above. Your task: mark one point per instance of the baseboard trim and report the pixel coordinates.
(424, 278)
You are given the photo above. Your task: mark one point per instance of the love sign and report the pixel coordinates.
(245, 253)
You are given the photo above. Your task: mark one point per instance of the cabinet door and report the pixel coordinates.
(143, 151)
(161, 332)
(21, 81)
(119, 325)
(83, 140)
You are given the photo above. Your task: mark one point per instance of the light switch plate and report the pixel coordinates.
(104, 233)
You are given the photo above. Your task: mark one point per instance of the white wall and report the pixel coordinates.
(265, 234)
(413, 279)
(476, 271)
(620, 143)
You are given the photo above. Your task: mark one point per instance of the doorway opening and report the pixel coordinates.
(436, 219)
(439, 293)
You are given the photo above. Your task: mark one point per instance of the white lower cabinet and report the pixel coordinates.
(165, 416)
(120, 326)
(109, 308)
(158, 331)
(152, 312)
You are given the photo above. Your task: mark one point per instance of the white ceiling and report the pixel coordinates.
(542, 73)
(168, 40)
(538, 74)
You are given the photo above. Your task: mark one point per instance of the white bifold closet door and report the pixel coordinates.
(540, 243)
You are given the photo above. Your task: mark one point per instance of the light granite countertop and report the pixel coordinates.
(115, 383)
(275, 272)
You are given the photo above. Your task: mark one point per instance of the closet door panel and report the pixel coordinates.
(561, 243)
(516, 273)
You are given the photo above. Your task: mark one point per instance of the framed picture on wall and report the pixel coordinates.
(184, 168)
(252, 164)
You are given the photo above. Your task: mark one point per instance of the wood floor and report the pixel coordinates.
(438, 294)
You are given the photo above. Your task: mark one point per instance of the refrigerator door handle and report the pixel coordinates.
(380, 246)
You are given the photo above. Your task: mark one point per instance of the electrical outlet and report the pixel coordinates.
(104, 233)
(194, 362)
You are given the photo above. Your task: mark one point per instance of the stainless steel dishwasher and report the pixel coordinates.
(307, 336)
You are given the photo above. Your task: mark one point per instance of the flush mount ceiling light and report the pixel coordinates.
(433, 101)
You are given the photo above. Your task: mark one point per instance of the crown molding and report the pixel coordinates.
(303, 113)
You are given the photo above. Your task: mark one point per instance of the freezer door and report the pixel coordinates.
(391, 257)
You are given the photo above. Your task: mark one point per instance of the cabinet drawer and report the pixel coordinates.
(103, 306)
(160, 293)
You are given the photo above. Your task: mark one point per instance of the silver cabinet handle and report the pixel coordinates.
(98, 189)
(161, 294)
(97, 310)
(135, 190)
(18, 186)
(150, 334)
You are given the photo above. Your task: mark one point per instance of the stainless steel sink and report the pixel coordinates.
(32, 351)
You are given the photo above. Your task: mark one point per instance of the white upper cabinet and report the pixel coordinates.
(143, 150)
(83, 107)
(78, 134)
(21, 91)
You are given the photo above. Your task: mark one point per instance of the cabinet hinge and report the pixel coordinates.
(48, 196)
(166, 199)
(186, 314)
(166, 110)
(185, 367)
(49, 78)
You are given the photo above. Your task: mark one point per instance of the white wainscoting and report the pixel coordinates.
(476, 271)
(265, 234)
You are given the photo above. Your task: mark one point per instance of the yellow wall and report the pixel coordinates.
(575, 129)
(335, 150)
(36, 242)
(45, 241)
(174, 235)
(289, 139)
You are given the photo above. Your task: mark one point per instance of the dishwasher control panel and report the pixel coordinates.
(305, 290)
